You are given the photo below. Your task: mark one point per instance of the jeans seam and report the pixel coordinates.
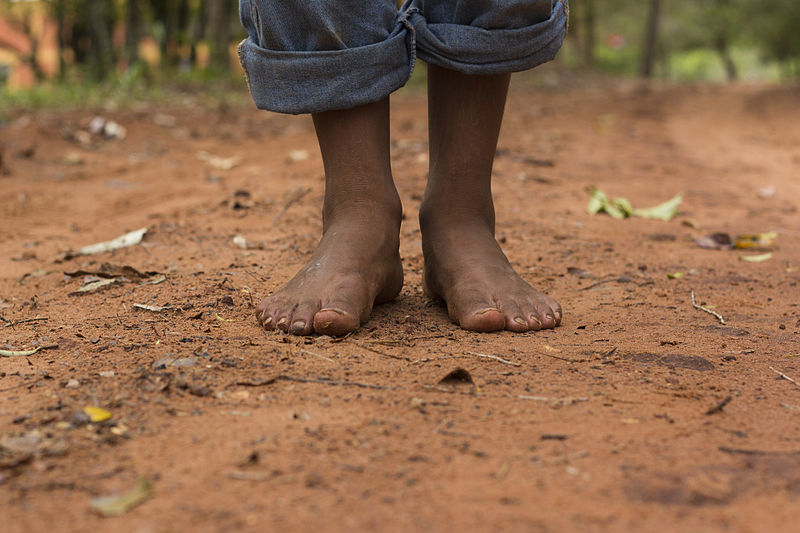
(256, 18)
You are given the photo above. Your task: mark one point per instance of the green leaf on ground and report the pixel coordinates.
(665, 211)
(620, 208)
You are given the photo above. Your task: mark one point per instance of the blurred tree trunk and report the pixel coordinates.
(650, 40)
(589, 26)
(197, 30)
(218, 33)
(133, 31)
(101, 51)
(722, 47)
(169, 48)
(59, 16)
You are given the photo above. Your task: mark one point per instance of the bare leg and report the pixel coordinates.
(464, 265)
(357, 263)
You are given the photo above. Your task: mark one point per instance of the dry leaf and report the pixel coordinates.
(96, 414)
(117, 505)
(756, 258)
(96, 285)
(220, 163)
(129, 239)
(153, 308)
(26, 353)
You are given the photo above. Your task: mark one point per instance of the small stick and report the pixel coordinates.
(11, 324)
(718, 408)
(373, 350)
(284, 377)
(563, 358)
(309, 352)
(709, 311)
(784, 376)
(496, 358)
(295, 197)
(597, 284)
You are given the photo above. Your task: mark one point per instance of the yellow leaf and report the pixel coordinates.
(117, 505)
(756, 258)
(96, 414)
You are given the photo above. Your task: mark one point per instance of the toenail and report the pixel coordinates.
(520, 321)
(538, 322)
(299, 326)
(487, 310)
(267, 321)
(335, 310)
(281, 322)
(549, 318)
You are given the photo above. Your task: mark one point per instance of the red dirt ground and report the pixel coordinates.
(600, 425)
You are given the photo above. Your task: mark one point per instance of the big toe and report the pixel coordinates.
(335, 321)
(484, 319)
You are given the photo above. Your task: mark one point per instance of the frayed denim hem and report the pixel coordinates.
(475, 50)
(312, 81)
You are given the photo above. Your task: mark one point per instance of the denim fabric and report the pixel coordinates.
(305, 56)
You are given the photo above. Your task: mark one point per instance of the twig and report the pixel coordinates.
(597, 284)
(784, 376)
(496, 358)
(283, 377)
(373, 350)
(718, 408)
(564, 358)
(709, 311)
(12, 323)
(745, 451)
(553, 401)
(295, 197)
(309, 352)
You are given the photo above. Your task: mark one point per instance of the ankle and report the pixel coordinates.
(445, 215)
(371, 212)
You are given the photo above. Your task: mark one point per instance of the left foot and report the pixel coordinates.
(465, 267)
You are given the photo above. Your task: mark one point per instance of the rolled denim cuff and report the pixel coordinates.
(476, 50)
(311, 81)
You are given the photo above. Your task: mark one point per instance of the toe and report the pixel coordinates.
(301, 321)
(484, 319)
(546, 316)
(261, 312)
(515, 318)
(335, 321)
(555, 307)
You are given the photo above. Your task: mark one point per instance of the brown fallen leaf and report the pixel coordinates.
(108, 270)
(96, 285)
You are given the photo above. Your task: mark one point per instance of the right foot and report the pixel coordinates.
(355, 266)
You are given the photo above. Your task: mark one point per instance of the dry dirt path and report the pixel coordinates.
(605, 424)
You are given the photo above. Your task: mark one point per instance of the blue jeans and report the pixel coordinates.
(305, 56)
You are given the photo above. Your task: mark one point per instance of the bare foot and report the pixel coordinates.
(355, 266)
(465, 267)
